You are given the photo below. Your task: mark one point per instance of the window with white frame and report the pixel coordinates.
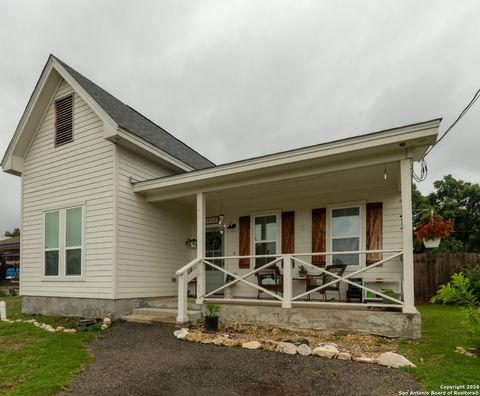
(63, 242)
(345, 234)
(265, 238)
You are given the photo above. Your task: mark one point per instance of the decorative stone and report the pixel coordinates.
(60, 328)
(207, 341)
(364, 359)
(50, 329)
(193, 337)
(251, 345)
(344, 356)
(43, 326)
(327, 351)
(219, 340)
(327, 344)
(103, 327)
(269, 345)
(391, 359)
(107, 321)
(181, 334)
(70, 331)
(230, 343)
(304, 349)
(286, 347)
(29, 321)
(36, 324)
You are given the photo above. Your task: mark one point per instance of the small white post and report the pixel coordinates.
(3, 310)
(407, 229)
(201, 215)
(287, 282)
(182, 315)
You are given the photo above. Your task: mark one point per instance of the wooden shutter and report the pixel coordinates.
(288, 232)
(319, 235)
(244, 241)
(374, 231)
(64, 120)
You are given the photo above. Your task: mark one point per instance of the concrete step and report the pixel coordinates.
(166, 304)
(160, 315)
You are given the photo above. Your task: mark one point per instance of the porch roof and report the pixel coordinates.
(410, 141)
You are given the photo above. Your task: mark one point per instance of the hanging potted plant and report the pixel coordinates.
(433, 231)
(211, 320)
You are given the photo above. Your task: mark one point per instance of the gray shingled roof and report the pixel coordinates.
(132, 121)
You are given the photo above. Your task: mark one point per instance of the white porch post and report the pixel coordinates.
(287, 282)
(407, 228)
(182, 310)
(201, 214)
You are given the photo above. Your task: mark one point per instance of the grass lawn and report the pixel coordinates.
(435, 356)
(34, 361)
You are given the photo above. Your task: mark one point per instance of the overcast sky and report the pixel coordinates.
(235, 79)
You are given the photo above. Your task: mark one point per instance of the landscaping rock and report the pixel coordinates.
(207, 341)
(60, 328)
(251, 345)
(31, 321)
(70, 331)
(269, 345)
(181, 334)
(36, 324)
(107, 321)
(327, 351)
(344, 356)
(327, 344)
(219, 340)
(286, 347)
(103, 327)
(230, 343)
(304, 349)
(363, 359)
(391, 359)
(194, 337)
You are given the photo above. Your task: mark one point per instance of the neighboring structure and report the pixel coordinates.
(9, 264)
(110, 200)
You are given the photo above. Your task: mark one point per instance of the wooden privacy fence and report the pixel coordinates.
(432, 270)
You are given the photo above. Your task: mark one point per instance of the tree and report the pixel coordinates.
(457, 200)
(14, 233)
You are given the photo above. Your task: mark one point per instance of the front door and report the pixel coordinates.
(214, 248)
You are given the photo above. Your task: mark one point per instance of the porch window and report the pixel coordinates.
(63, 244)
(345, 234)
(266, 238)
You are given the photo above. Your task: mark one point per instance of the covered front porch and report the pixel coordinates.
(326, 228)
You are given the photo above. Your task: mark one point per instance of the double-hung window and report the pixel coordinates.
(345, 234)
(266, 238)
(63, 245)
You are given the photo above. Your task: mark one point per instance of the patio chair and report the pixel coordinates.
(314, 281)
(270, 279)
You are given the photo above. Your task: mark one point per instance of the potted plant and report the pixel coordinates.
(192, 242)
(211, 320)
(390, 293)
(433, 231)
(302, 271)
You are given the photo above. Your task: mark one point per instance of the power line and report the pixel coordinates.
(464, 111)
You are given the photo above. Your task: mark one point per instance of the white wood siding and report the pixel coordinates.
(151, 237)
(57, 177)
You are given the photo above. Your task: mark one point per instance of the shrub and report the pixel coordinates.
(456, 292)
(473, 274)
(472, 324)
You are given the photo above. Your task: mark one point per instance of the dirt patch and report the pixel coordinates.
(11, 347)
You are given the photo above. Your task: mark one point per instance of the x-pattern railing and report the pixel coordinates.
(196, 269)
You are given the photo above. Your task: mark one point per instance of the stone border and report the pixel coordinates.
(323, 349)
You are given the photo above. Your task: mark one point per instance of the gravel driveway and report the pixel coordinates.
(136, 359)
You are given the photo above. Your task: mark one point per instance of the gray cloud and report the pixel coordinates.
(242, 78)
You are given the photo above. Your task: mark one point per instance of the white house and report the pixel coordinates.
(112, 205)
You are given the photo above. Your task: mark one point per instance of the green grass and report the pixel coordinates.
(435, 356)
(34, 361)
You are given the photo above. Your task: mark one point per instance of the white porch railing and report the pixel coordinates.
(196, 270)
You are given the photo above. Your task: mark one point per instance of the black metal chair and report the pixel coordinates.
(314, 281)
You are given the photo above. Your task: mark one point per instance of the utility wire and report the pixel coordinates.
(423, 163)
(465, 110)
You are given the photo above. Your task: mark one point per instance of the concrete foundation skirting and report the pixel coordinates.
(81, 307)
(385, 323)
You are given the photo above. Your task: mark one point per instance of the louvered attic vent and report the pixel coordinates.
(64, 120)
